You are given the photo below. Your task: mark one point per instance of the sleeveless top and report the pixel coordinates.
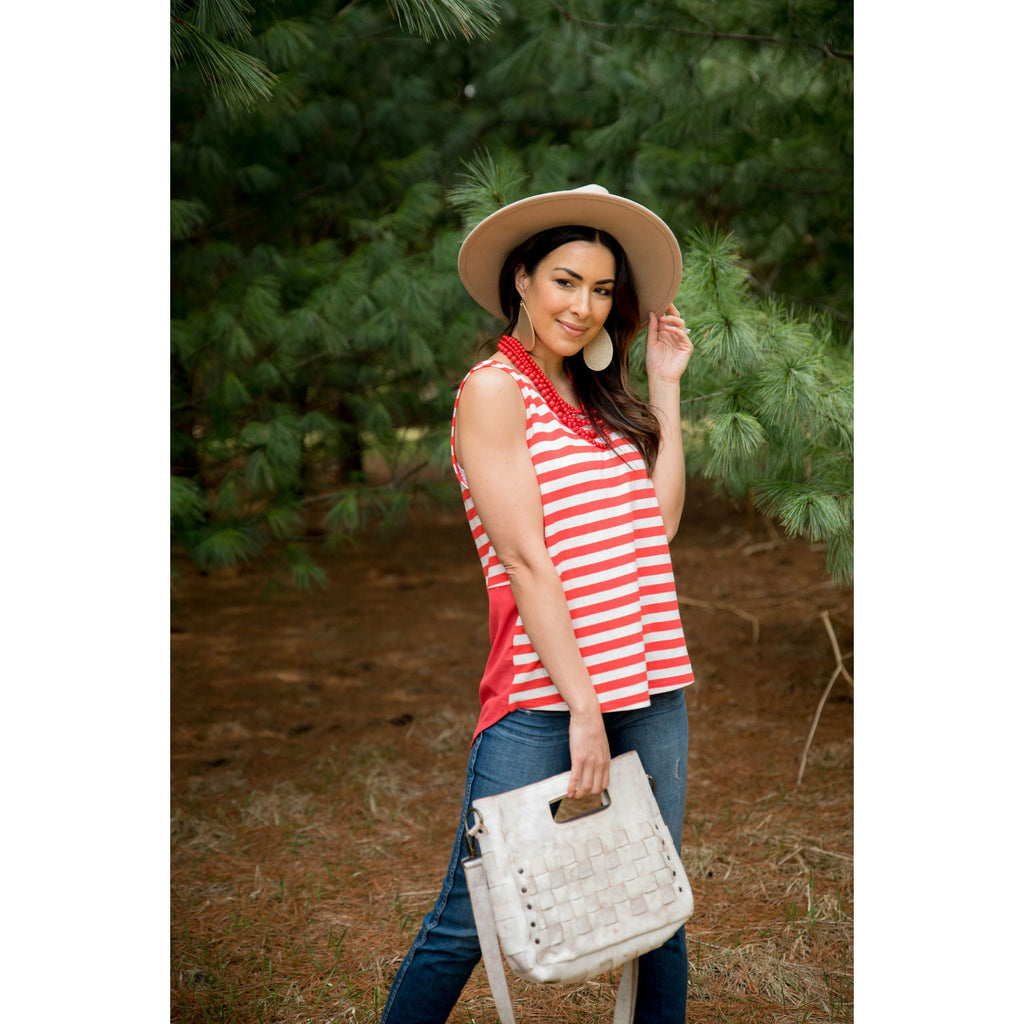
(606, 537)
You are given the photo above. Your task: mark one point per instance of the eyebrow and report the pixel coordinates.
(579, 277)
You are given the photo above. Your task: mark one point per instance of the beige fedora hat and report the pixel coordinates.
(650, 246)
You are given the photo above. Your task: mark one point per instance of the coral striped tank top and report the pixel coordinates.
(605, 534)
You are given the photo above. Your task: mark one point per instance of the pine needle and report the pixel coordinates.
(443, 19)
(238, 78)
(485, 186)
(187, 215)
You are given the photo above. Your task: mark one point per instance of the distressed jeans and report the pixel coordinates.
(521, 748)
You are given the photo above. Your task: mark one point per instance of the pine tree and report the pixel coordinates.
(201, 30)
(199, 33)
(309, 304)
(769, 405)
(316, 313)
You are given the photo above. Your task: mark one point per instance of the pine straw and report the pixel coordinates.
(298, 901)
(305, 854)
(759, 970)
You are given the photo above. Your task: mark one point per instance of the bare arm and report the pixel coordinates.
(668, 354)
(490, 445)
(669, 473)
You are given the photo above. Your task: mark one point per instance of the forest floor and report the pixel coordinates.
(318, 746)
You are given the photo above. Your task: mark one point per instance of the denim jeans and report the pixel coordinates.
(524, 747)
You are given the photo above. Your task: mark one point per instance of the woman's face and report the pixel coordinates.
(569, 295)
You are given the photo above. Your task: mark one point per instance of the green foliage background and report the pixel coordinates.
(328, 157)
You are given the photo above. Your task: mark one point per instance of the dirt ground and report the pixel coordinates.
(318, 756)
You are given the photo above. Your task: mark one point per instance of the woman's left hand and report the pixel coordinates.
(668, 345)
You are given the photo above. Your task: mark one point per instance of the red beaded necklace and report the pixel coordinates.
(574, 419)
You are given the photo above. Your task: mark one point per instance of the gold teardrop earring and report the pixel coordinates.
(529, 338)
(598, 352)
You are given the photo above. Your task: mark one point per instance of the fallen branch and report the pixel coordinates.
(777, 541)
(692, 602)
(839, 670)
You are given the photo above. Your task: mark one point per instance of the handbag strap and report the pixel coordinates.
(625, 1002)
(487, 932)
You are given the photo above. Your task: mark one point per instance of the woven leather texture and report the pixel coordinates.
(572, 900)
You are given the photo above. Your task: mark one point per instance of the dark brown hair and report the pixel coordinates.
(604, 394)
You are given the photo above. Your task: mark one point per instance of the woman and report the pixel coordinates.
(573, 487)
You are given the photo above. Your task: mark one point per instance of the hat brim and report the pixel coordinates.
(649, 244)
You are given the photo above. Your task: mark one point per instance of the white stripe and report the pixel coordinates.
(669, 673)
(547, 691)
(668, 615)
(550, 454)
(669, 633)
(676, 651)
(630, 611)
(548, 434)
(603, 465)
(528, 658)
(585, 517)
(656, 668)
(658, 560)
(622, 574)
(537, 675)
(634, 651)
(575, 591)
(552, 487)
(615, 541)
(633, 690)
(628, 631)
(664, 580)
(614, 594)
(610, 543)
(595, 494)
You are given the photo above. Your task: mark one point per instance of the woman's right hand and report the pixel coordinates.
(588, 749)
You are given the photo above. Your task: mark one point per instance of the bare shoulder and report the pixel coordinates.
(491, 415)
(491, 390)
(490, 380)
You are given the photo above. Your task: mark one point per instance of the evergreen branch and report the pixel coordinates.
(255, 212)
(238, 78)
(485, 186)
(709, 33)
(435, 19)
(186, 216)
(305, 572)
(220, 18)
(188, 503)
(702, 398)
(393, 484)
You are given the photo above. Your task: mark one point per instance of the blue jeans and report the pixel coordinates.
(524, 747)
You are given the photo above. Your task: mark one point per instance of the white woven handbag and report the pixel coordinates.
(569, 900)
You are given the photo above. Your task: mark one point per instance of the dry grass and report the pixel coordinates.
(317, 783)
(291, 909)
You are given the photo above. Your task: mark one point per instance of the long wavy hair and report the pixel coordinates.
(604, 394)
